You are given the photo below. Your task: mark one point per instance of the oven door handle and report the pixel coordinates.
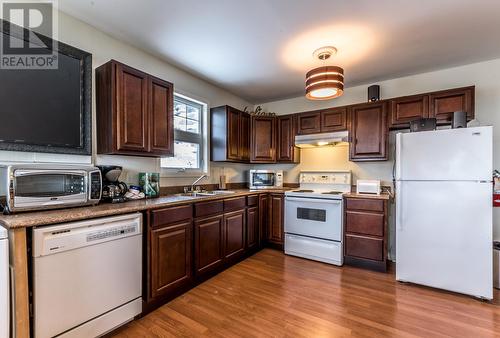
(312, 200)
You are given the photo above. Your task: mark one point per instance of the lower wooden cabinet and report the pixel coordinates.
(234, 234)
(171, 257)
(263, 217)
(365, 228)
(252, 241)
(275, 234)
(208, 243)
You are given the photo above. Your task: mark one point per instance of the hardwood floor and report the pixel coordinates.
(273, 295)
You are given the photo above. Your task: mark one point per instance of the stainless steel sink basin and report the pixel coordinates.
(208, 193)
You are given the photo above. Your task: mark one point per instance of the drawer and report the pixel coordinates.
(364, 223)
(252, 200)
(208, 208)
(364, 247)
(235, 203)
(364, 204)
(171, 215)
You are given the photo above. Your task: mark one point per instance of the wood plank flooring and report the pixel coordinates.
(273, 295)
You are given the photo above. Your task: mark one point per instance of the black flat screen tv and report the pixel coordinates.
(47, 110)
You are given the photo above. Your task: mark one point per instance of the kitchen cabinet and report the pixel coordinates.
(309, 123)
(263, 140)
(368, 134)
(234, 234)
(444, 103)
(134, 112)
(408, 108)
(287, 152)
(252, 221)
(365, 228)
(334, 119)
(209, 244)
(275, 230)
(230, 135)
(263, 217)
(170, 250)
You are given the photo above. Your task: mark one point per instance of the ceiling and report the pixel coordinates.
(260, 50)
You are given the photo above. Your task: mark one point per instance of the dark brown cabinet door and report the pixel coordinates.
(132, 118)
(233, 134)
(234, 234)
(170, 250)
(161, 107)
(286, 149)
(209, 248)
(408, 108)
(263, 217)
(245, 137)
(334, 120)
(368, 132)
(263, 145)
(275, 229)
(252, 227)
(444, 103)
(309, 123)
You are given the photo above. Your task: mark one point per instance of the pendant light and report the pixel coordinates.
(326, 82)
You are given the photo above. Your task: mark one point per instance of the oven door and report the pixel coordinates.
(43, 188)
(262, 179)
(314, 217)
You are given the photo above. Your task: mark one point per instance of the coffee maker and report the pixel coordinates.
(112, 190)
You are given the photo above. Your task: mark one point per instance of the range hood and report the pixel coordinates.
(321, 140)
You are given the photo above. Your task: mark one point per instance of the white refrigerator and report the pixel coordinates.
(444, 209)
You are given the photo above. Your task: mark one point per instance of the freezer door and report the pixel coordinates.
(464, 154)
(444, 236)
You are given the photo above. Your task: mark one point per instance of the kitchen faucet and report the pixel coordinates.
(198, 180)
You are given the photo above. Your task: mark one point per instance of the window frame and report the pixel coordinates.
(185, 136)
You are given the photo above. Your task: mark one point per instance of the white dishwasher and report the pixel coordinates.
(87, 276)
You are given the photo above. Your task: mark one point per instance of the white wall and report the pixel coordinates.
(484, 75)
(103, 48)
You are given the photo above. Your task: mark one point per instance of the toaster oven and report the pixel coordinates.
(26, 187)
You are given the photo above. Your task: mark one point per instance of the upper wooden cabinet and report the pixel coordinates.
(134, 112)
(368, 132)
(444, 103)
(408, 108)
(334, 119)
(263, 139)
(230, 134)
(286, 149)
(440, 105)
(309, 123)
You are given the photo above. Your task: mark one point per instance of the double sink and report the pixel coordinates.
(205, 193)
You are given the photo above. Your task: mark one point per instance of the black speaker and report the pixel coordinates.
(459, 120)
(373, 93)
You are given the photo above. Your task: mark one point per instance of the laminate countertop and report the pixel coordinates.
(382, 196)
(46, 217)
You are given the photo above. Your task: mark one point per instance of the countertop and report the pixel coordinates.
(37, 218)
(382, 196)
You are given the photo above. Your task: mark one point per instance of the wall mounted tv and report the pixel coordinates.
(46, 110)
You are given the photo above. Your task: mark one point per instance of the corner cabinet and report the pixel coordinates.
(134, 112)
(230, 134)
(368, 134)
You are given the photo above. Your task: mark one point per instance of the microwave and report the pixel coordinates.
(265, 179)
(26, 187)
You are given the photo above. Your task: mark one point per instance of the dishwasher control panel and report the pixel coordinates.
(50, 240)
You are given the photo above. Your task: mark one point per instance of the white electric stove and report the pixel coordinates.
(314, 216)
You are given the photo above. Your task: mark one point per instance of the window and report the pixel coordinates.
(188, 136)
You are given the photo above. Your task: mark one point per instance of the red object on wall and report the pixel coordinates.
(496, 200)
